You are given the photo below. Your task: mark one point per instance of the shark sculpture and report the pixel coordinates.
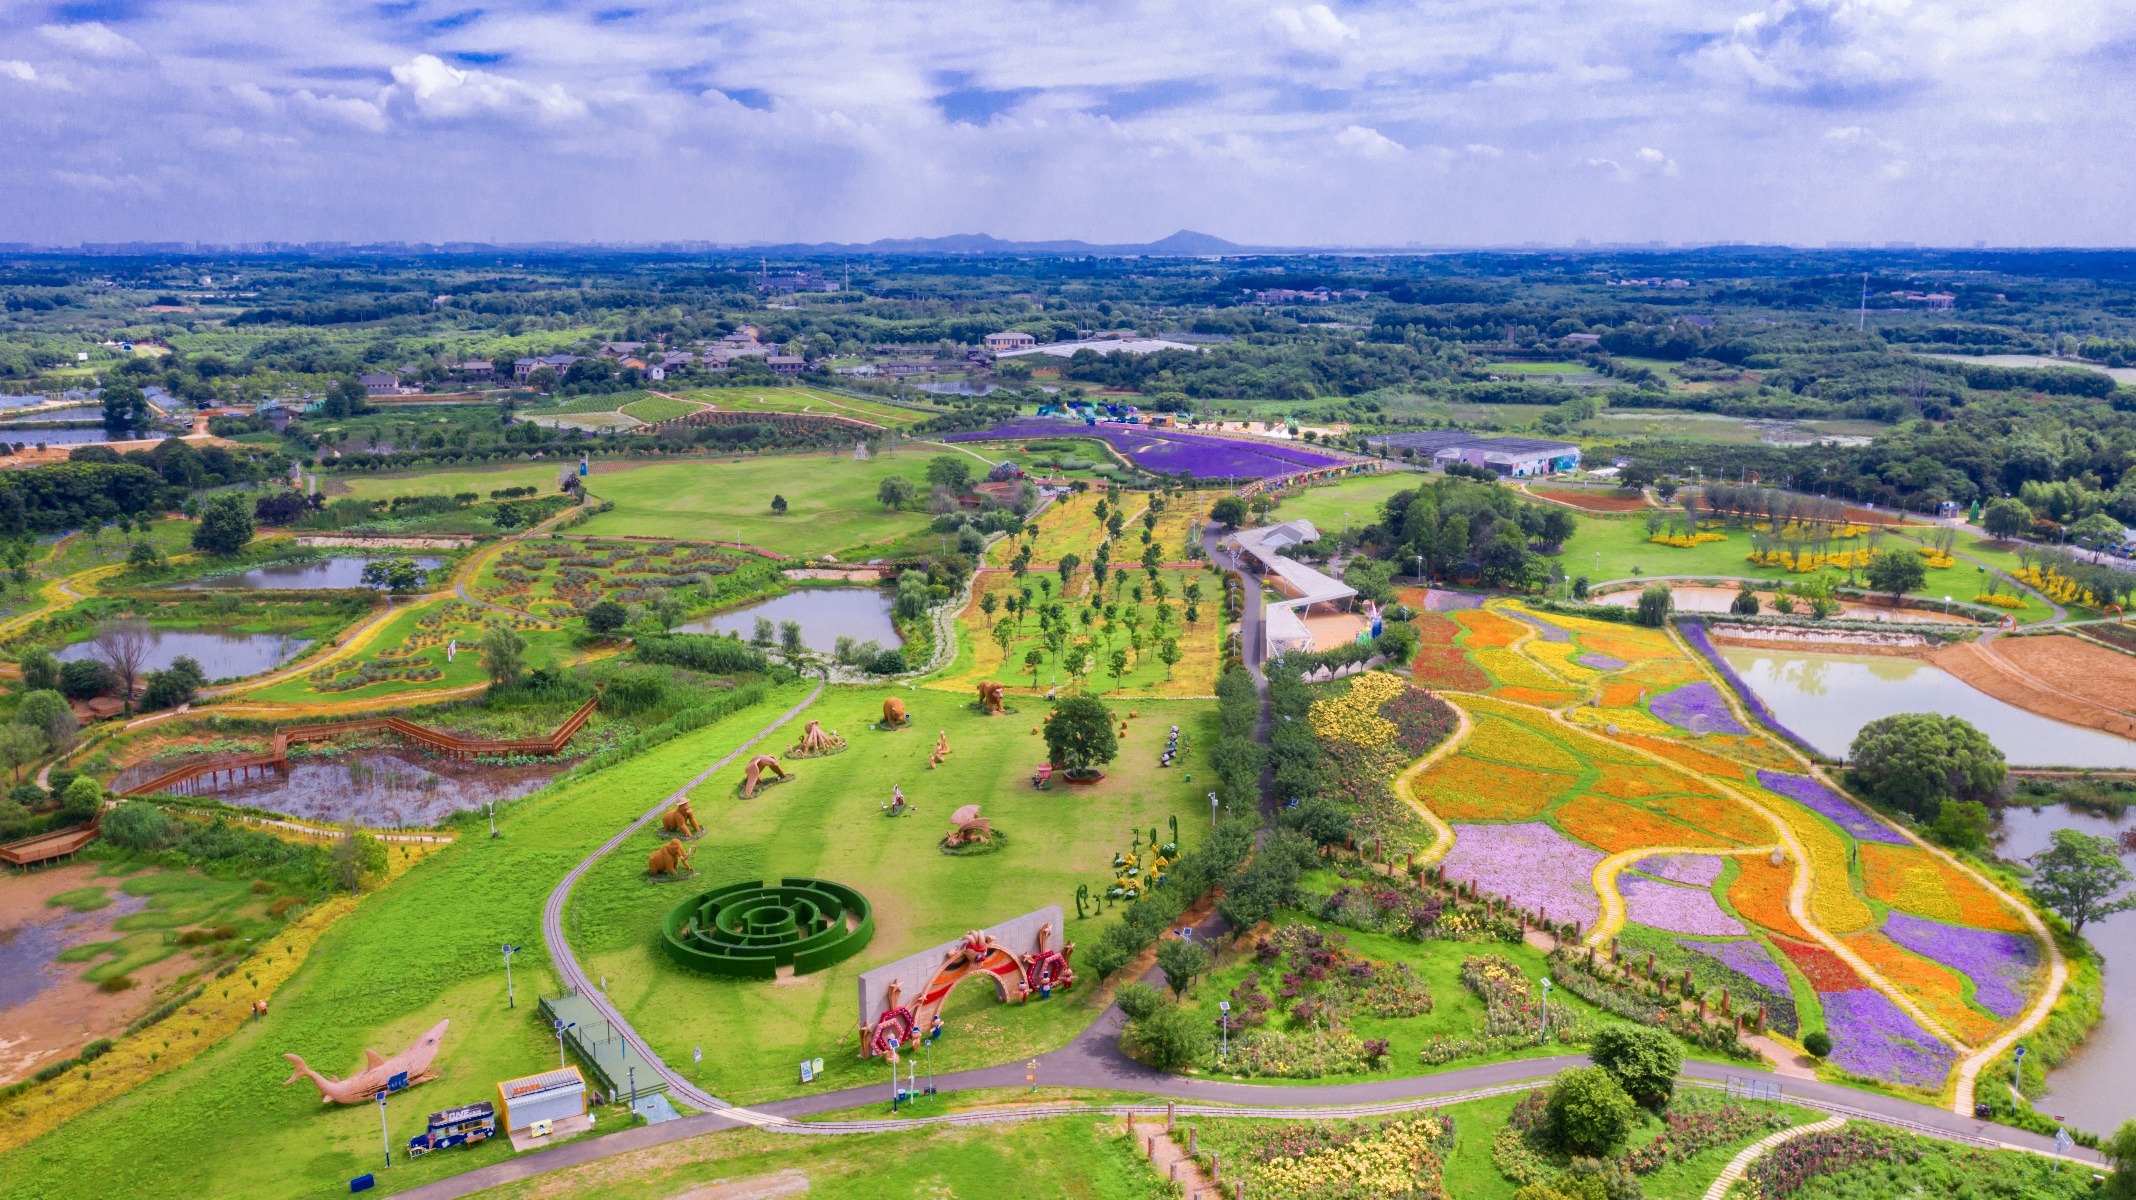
(378, 1073)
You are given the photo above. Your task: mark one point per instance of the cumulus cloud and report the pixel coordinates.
(349, 111)
(91, 38)
(17, 69)
(438, 89)
(1370, 143)
(1314, 27)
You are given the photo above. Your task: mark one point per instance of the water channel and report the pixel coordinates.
(305, 576)
(221, 653)
(825, 614)
(2091, 1088)
(1827, 698)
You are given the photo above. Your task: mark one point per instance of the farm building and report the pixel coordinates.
(1514, 457)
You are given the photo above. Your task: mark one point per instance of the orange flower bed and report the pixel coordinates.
(1912, 880)
(1717, 815)
(1527, 695)
(1613, 826)
(1632, 782)
(1620, 693)
(1625, 647)
(1697, 760)
(1932, 985)
(1759, 895)
(1467, 789)
(1826, 971)
(1486, 628)
(1446, 668)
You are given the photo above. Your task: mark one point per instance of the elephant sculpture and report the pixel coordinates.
(680, 820)
(894, 713)
(991, 697)
(755, 773)
(671, 859)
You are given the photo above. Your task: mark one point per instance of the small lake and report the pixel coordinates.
(1827, 698)
(221, 653)
(2091, 1087)
(326, 573)
(386, 790)
(825, 614)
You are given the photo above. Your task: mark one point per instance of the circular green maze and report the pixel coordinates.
(750, 930)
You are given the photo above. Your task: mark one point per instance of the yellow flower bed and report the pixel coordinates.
(2056, 587)
(1804, 563)
(1935, 558)
(1686, 540)
(1508, 669)
(1398, 1160)
(1560, 657)
(1999, 601)
(1354, 716)
(1518, 745)
(1797, 531)
(1833, 903)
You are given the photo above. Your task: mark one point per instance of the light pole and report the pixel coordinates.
(561, 1026)
(1224, 1024)
(492, 805)
(633, 1091)
(1212, 810)
(511, 1000)
(384, 1139)
(1546, 1008)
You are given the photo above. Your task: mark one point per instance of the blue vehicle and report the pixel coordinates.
(462, 1126)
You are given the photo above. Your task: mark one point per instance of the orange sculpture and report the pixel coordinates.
(990, 697)
(378, 1073)
(968, 828)
(814, 742)
(894, 713)
(755, 774)
(671, 859)
(680, 819)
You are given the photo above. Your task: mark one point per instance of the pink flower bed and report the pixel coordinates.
(1531, 864)
(1676, 909)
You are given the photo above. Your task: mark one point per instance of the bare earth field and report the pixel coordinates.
(67, 1012)
(2056, 676)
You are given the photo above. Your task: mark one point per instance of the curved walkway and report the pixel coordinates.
(1759, 1149)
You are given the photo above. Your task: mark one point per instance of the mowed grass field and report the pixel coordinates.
(420, 951)
(827, 823)
(1361, 497)
(830, 501)
(807, 400)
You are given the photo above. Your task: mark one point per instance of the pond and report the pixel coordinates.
(325, 573)
(221, 653)
(2091, 1087)
(825, 614)
(1827, 698)
(382, 790)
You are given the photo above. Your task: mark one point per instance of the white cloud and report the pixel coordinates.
(17, 69)
(1654, 160)
(1314, 27)
(92, 38)
(1370, 143)
(340, 110)
(440, 90)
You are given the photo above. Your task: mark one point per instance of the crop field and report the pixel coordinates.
(576, 405)
(655, 409)
(1659, 765)
(1071, 525)
(419, 951)
(559, 578)
(827, 823)
(982, 656)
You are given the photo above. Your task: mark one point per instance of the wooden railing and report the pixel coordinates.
(240, 766)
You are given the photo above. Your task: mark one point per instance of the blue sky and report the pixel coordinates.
(1435, 122)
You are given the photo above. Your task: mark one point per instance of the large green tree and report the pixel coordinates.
(2078, 875)
(1642, 1060)
(225, 525)
(1897, 572)
(125, 410)
(1589, 1111)
(2006, 518)
(1916, 761)
(1080, 735)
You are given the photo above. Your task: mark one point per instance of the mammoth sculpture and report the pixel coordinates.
(894, 713)
(755, 773)
(671, 859)
(990, 697)
(681, 820)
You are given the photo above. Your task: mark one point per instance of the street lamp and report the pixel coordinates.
(1212, 810)
(1224, 1024)
(1546, 1008)
(492, 805)
(384, 1139)
(561, 1026)
(511, 1001)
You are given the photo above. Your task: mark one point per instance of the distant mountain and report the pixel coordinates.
(1184, 243)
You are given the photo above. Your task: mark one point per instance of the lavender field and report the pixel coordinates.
(1168, 452)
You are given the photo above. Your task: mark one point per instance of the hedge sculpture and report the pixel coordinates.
(751, 930)
(681, 820)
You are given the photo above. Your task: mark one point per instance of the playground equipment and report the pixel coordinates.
(754, 774)
(672, 860)
(1015, 955)
(893, 714)
(815, 743)
(753, 930)
(403, 1070)
(682, 821)
(967, 828)
(991, 698)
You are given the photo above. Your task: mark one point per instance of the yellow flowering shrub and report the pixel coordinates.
(1999, 601)
(1399, 1158)
(1686, 540)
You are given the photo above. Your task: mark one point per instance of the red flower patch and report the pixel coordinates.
(1826, 971)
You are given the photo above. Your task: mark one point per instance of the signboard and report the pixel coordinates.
(399, 1081)
(808, 1071)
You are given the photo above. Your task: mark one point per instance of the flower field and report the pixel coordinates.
(1912, 879)
(1459, 788)
(1759, 894)
(1071, 525)
(1354, 716)
(1833, 903)
(1826, 971)
(1746, 958)
(1440, 662)
(1167, 452)
(1676, 908)
(1530, 864)
(2002, 966)
(1698, 762)
(1726, 819)
(1616, 826)
(1341, 1160)
(1874, 1038)
(1502, 740)
(1697, 707)
(1698, 870)
(1935, 987)
(1820, 799)
(1487, 629)
(981, 656)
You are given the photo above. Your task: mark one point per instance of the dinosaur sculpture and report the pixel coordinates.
(967, 827)
(991, 697)
(894, 713)
(755, 773)
(680, 820)
(671, 859)
(816, 742)
(378, 1073)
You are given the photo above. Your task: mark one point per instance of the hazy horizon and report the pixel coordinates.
(1357, 125)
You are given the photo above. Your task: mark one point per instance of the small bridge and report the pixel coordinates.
(234, 768)
(47, 846)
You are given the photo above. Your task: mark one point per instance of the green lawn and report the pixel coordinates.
(423, 630)
(423, 950)
(659, 408)
(808, 400)
(830, 501)
(479, 480)
(828, 824)
(1361, 497)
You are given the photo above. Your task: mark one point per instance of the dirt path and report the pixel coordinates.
(2062, 678)
(1161, 1145)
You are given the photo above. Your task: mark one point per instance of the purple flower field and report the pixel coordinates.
(1746, 958)
(1999, 964)
(1694, 633)
(1873, 1037)
(1823, 800)
(1676, 909)
(1531, 864)
(1600, 662)
(1698, 870)
(1697, 707)
(1201, 455)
